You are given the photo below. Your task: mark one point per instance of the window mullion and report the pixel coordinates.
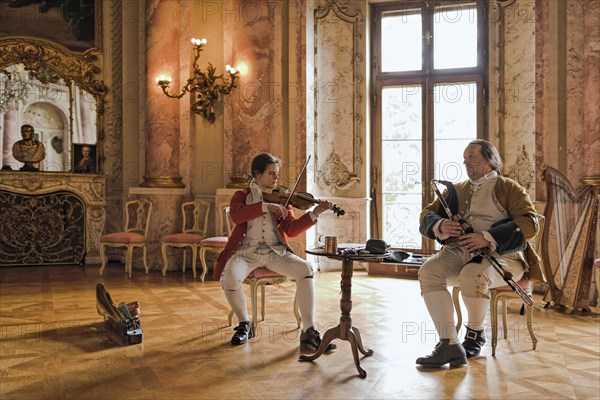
(427, 17)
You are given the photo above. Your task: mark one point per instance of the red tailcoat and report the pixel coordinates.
(241, 213)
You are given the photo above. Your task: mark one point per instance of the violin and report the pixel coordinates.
(301, 201)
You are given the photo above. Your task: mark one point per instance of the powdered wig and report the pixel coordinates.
(490, 153)
(261, 161)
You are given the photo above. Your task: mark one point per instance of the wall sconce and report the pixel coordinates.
(205, 86)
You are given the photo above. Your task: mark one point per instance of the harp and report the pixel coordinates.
(569, 239)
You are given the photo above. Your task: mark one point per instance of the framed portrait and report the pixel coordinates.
(84, 158)
(74, 24)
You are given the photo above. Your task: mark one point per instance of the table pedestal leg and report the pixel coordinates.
(333, 333)
(344, 331)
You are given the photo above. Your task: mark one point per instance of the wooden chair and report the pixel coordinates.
(134, 234)
(502, 295)
(261, 278)
(194, 226)
(216, 244)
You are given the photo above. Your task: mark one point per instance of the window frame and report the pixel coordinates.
(427, 78)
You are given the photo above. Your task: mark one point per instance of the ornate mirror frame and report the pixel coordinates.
(80, 69)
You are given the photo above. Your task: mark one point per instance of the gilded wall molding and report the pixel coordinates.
(337, 80)
(38, 54)
(50, 63)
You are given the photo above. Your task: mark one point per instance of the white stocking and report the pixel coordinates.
(476, 310)
(306, 302)
(237, 301)
(441, 309)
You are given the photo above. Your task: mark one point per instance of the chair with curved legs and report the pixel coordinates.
(261, 278)
(216, 244)
(194, 226)
(502, 295)
(134, 234)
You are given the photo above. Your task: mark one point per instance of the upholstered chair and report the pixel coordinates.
(261, 278)
(134, 234)
(216, 244)
(502, 295)
(194, 215)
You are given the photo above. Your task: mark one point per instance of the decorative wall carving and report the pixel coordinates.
(523, 169)
(42, 229)
(334, 173)
(336, 95)
(88, 188)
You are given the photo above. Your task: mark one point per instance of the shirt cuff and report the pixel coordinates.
(264, 207)
(312, 216)
(488, 236)
(436, 231)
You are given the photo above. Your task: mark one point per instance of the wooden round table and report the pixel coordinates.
(345, 330)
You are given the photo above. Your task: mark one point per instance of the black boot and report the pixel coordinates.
(312, 338)
(474, 340)
(444, 353)
(243, 332)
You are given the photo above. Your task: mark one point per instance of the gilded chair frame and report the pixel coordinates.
(194, 221)
(501, 295)
(272, 278)
(225, 227)
(143, 210)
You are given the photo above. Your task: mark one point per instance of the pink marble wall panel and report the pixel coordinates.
(252, 108)
(574, 96)
(578, 102)
(162, 113)
(591, 89)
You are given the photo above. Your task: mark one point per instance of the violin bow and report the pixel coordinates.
(297, 182)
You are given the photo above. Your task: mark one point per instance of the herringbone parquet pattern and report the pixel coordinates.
(54, 345)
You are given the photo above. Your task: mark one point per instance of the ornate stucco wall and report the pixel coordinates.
(568, 88)
(544, 85)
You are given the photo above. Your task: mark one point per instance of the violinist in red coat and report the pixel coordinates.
(259, 239)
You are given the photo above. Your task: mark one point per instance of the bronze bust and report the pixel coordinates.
(28, 150)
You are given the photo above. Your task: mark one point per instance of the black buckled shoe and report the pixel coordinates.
(473, 343)
(312, 338)
(444, 353)
(243, 332)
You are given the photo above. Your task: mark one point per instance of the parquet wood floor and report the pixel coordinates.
(54, 345)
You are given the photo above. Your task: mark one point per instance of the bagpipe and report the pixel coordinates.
(483, 253)
(124, 319)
